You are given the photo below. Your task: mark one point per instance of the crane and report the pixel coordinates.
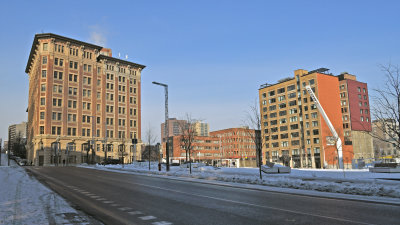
(331, 128)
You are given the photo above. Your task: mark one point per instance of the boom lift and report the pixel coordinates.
(331, 128)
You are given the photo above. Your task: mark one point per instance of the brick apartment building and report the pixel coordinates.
(293, 129)
(356, 116)
(229, 147)
(237, 146)
(78, 92)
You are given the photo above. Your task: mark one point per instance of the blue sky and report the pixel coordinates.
(212, 54)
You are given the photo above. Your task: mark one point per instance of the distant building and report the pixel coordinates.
(237, 146)
(80, 94)
(174, 128)
(229, 147)
(205, 149)
(14, 131)
(201, 129)
(385, 144)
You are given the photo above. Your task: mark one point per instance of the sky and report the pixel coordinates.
(213, 55)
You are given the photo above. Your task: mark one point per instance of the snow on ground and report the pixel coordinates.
(355, 182)
(23, 200)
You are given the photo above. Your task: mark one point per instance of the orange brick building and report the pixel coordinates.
(292, 127)
(229, 147)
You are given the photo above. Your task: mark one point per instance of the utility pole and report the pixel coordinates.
(105, 149)
(166, 121)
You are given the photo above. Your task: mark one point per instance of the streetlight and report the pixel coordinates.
(166, 120)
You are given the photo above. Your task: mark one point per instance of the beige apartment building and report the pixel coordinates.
(81, 98)
(14, 131)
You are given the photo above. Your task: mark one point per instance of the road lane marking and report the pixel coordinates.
(124, 208)
(147, 217)
(101, 199)
(135, 213)
(162, 223)
(254, 205)
(115, 205)
(108, 202)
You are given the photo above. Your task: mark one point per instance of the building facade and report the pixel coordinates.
(384, 139)
(14, 131)
(204, 149)
(356, 116)
(174, 128)
(237, 146)
(81, 100)
(229, 147)
(293, 130)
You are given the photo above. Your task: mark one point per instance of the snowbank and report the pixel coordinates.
(355, 182)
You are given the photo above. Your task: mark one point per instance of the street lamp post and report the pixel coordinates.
(166, 120)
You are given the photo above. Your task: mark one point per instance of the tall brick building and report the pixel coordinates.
(293, 128)
(78, 92)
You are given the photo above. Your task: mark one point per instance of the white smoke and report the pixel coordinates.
(98, 36)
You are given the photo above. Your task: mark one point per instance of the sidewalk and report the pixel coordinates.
(23, 200)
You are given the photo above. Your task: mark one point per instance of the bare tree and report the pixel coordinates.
(150, 138)
(386, 108)
(187, 137)
(253, 122)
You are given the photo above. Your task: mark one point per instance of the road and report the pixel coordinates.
(117, 198)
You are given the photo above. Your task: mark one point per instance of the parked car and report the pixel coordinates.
(22, 162)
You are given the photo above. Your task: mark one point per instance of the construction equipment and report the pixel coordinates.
(331, 128)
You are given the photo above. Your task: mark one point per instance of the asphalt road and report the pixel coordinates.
(116, 198)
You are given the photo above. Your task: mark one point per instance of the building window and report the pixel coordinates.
(42, 101)
(41, 130)
(362, 118)
(359, 89)
(364, 90)
(58, 75)
(44, 73)
(45, 46)
(43, 87)
(311, 82)
(42, 115)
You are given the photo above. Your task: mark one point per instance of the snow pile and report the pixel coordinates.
(355, 182)
(23, 200)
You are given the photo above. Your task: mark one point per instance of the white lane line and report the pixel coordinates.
(94, 196)
(147, 217)
(124, 208)
(101, 199)
(108, 202)
(135, 213)
(162, 223)
(115, 205)
(255, 205)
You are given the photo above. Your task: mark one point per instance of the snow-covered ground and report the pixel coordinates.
(355, 182)
(23, 200)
